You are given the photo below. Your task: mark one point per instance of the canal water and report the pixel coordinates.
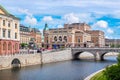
(66, 70)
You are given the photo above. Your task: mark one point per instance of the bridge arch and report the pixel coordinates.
(108, 53)
(83, 54)
(15, 63)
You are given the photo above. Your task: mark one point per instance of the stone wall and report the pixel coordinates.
(37, 58)
(25, 60)
(57, 56)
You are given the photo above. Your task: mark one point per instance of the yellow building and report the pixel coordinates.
(9, 33)
(30, 36)
(72, 35)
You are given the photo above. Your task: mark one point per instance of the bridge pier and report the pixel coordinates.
(97, 57)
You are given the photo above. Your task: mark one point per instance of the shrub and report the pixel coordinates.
(113, 72)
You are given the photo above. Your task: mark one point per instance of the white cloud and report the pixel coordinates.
(101, 24)
(25, 11)
(30, 20)
(41, 30)
(71, 18)
(47, 18)
(86, 17)
(110, 31)
(115, 14)
(60, 26)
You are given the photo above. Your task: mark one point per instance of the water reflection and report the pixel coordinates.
(67, 70)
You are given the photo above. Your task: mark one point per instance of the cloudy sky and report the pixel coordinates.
(99, 14)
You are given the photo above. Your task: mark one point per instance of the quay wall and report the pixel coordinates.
(25, 60)
(57, 56)
(34, 59)
(38, 58)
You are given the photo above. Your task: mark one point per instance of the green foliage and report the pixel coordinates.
(110, 73)
(23, 45)
(99, 76)
(113, 72)
(115, 45)
(118, 59)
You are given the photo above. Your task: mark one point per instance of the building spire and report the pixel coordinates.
(45, 28)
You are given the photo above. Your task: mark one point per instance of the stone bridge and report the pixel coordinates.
(98, 53)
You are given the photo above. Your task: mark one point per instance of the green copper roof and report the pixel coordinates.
(7, 13)
(46, 27)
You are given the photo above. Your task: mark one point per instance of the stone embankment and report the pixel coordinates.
(36, 58)
(56, 56)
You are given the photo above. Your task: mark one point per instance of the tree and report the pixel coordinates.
(23, 45)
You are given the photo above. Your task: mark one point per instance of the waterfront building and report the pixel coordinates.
(24, 34)
(97, 37)
(30, 36)
(9, 33)
(112, 42)
(73, 35)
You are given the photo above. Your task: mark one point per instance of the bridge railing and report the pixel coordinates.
(22, 51)
(25, 51)
(55, 50)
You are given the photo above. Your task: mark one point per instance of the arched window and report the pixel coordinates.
(65, 38)
(60, 38)
(55, 38)
(0, 46)
(13, 47)
(4, 46)
(16, 46)
(9, 46)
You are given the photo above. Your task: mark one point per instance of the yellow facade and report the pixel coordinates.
(2, 12)
(9, 35)
(76, 35)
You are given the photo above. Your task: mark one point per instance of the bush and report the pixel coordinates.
(113, 72)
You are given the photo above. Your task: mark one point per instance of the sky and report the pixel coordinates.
(99, 14)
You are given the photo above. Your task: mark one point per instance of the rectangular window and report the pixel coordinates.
(15, 35)
(3, 22)
(9, 32)
(15, 26)
(8, 23)
(3, 32)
